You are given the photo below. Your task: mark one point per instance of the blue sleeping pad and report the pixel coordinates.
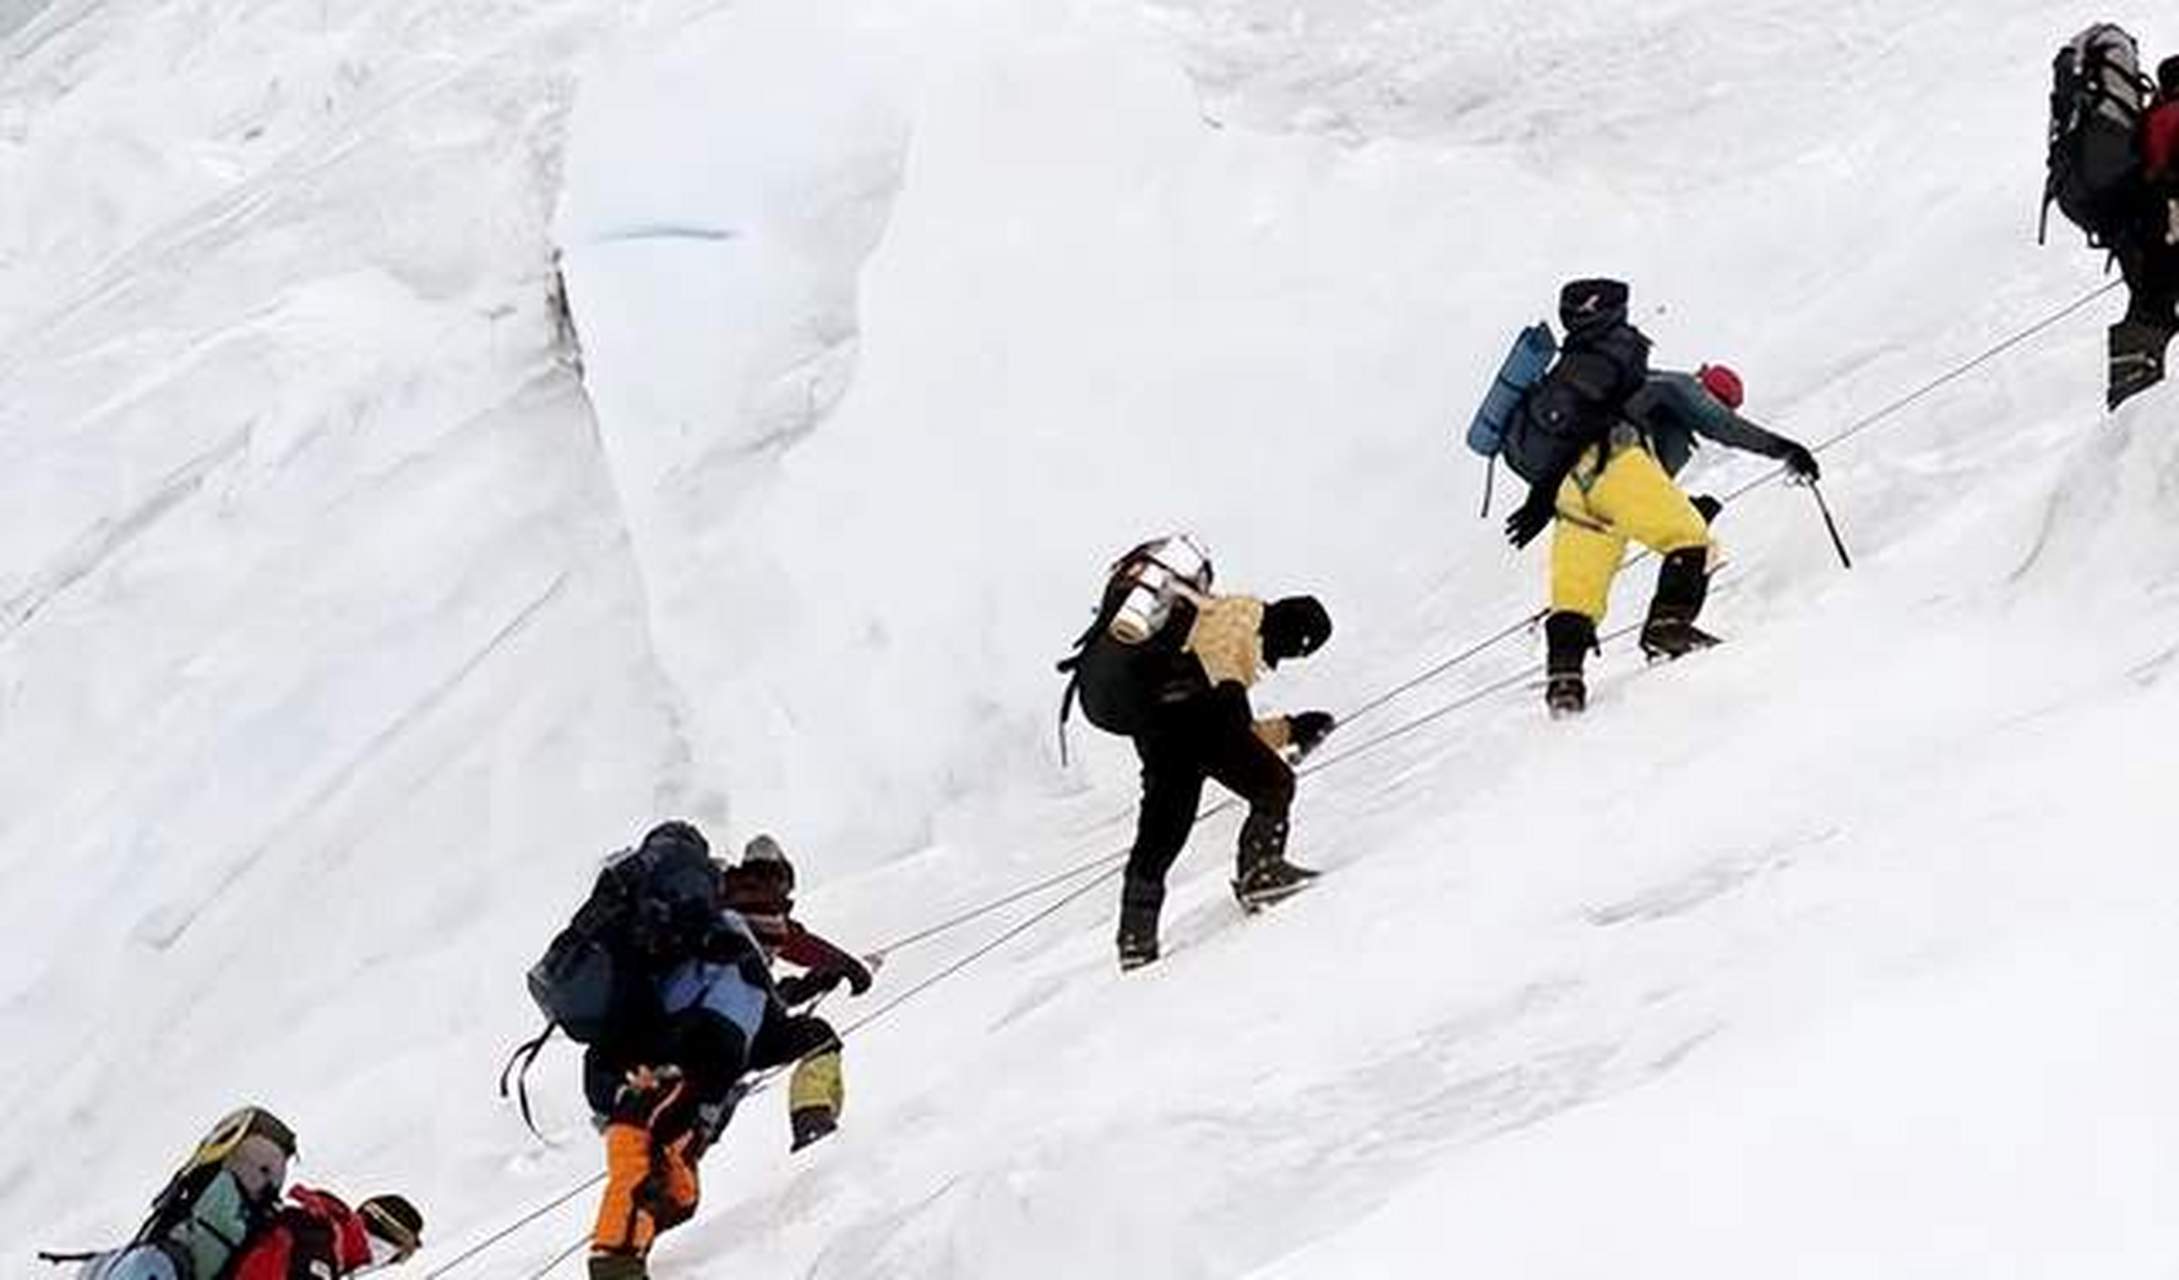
(1524, 367)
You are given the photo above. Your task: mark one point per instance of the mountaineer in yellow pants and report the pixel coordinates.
(1598, 437)
(761, 889)
(1623, 490)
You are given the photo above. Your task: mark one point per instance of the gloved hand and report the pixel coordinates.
(1707, 507)
(801, 988)
(1800, 463)
(855, 972)
(1532, 517)
(1308, 729)
(805, 987)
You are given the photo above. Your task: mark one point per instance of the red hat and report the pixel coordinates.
(1723, 383)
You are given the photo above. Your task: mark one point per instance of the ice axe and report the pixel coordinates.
(1830, 524)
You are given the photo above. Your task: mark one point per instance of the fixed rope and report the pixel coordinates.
(490, 1241)
(560, 1257)
(1108, 865)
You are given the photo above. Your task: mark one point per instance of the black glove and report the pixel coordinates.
(1532, 517)
(856, 973)
(1707, 507)
(802, 988)
(1800, 463)
(805, 987)
(1308, 729)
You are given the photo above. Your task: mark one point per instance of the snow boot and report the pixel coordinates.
(1683, 581)
(812, 1124)
(1263, 875)
(1271, 882)
(1568, 637)
(1139, 924)
(2137, 346)
(617, 1266)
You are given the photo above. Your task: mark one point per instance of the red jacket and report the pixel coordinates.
(313, 1237)
(2160, 143)
(766, 901)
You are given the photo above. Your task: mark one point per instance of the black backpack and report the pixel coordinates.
(2097, 99)
(1122, 685)
(1578, 400)
(652, 907)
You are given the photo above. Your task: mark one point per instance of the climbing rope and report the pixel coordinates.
(997, 904)
(1106, 866)
(560, 1257)
(504, 1232)
(1025, 925)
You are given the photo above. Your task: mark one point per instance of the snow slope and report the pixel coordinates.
(344, 627)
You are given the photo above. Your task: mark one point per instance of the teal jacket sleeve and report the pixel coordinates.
(1708, 417)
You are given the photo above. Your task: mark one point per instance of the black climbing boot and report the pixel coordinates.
(1568, 638)
(1683, 581)
(1138, 939)
(812, 1124)
(1263, 875)
(2137, 357)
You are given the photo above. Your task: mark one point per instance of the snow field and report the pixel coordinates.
(344, 629)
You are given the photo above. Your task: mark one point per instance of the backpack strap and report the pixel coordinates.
(1066, 706)
(527, 1053)
(1071, 666)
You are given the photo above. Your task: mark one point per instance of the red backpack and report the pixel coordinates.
(314, 1236)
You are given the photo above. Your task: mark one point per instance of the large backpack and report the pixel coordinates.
(2097, 98)
(1576, 402)
(652, 907)
(201, 1220)
(1133, 659)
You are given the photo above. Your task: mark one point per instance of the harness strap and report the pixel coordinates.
(526, 1053)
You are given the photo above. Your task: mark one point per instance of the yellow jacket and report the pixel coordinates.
(1227, 639)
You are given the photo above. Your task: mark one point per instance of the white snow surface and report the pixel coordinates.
(346, 621)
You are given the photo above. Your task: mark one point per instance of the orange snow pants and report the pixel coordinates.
(650, 1186)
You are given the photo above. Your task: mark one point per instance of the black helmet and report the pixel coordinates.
(394, 1220)
(677, 832)
(2167, 76)
(1585, 304)
(1294, 628)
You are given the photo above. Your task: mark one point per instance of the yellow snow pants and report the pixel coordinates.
(817, 1083)
(1600, 510)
